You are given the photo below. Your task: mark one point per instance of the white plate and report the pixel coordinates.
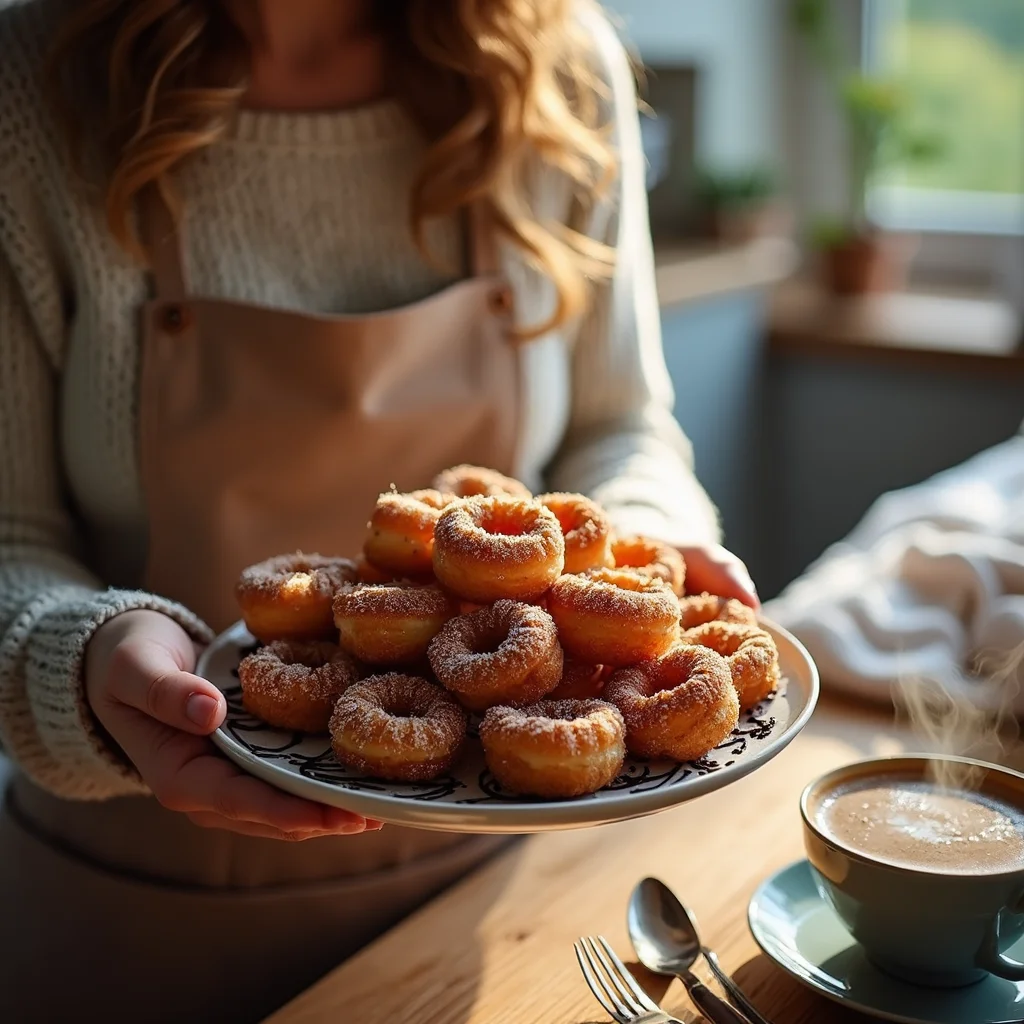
(469, 799)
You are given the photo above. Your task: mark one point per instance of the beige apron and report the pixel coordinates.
(261, 431)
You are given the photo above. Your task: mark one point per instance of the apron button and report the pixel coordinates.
(500, 301)
(174, 319)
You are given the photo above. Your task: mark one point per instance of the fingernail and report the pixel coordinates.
(373, 826)
(200, 709)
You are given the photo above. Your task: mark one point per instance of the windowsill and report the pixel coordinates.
(942, 330)
(690, 272)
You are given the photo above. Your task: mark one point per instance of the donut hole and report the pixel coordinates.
(311, 655)
(634, 554)
(487, 639)
(570, 517)
(622, 580)
(505, 522)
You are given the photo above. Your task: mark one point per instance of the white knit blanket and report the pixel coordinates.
(930, 585)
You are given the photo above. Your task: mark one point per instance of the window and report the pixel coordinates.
(962, 63)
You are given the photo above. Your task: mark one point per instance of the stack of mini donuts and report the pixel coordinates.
(474, 597)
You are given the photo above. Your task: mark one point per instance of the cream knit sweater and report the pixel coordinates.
(299, 211)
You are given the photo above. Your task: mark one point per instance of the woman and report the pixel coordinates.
(319, 247)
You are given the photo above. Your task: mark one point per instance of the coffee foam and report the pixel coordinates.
(918, 824)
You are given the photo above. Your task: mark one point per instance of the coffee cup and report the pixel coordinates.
(934, 922)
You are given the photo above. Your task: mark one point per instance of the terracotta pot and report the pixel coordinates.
(866, 264)
(741, 224)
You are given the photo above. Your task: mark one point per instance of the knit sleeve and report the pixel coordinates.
(50, 605)
(623, 445)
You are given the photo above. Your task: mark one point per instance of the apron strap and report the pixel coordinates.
(162, 242)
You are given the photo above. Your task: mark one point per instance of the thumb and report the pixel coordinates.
(146, 675)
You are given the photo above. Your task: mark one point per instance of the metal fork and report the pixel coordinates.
(614, 987)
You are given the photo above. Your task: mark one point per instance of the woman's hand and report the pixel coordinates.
(713, 569)
(139, 684)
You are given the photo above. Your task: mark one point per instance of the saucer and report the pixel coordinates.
(797, 929)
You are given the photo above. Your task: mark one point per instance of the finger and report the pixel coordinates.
(723, 576)
(207, 819)
(145, 676)
(743, 588)
(186, 774)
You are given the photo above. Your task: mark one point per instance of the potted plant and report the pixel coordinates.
(741, 206)
(856, 256)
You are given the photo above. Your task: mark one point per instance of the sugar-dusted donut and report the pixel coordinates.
(401, 537)
(701, 608)
(506, 653)
(650, 558)
(294, 685)
(751, 654)
(289, 597)
(678, 707)
(486, 549)
(586, 528)
(614, 617)
(554, 749)
(470, 481)
(390, 623)
(396, 726)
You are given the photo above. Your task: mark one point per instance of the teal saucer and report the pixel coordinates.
(799, 931)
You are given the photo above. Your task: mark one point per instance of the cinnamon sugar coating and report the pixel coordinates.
(395, 726)
(505, 653)
(678, 707)
(293, 685)
(554, 749)
(751, 654)
(614, 617)
(489, 548)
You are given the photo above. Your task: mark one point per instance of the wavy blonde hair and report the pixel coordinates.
(493, 84)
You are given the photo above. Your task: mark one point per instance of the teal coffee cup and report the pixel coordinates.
(927, 926)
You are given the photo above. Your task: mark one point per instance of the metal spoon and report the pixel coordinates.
(666, 941)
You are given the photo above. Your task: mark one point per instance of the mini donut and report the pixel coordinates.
(554, 749)
(651, 558)
(580, 682)
(289, 597)
(401, 538)
(507, 653)
(390, 623)
(702, 608)
(612, 617)
(366, 572)
(750, 652)
(293, 685)
(397, 727)
(586, 529)
(678, 707)
(486, 549)
(471, 481)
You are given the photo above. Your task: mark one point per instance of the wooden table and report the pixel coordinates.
(497, 949)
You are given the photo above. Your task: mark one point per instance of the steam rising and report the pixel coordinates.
(967, 716)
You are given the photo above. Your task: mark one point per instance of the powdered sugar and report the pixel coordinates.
(326, 575)
(492, 650)
(283, 669)
(401, 712)
(618, 595)
(467, 481)
(391, 600)
(570, 727)
(499, 531)
(703, 608)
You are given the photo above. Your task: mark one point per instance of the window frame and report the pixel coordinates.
(931, 211)
(815, 165)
